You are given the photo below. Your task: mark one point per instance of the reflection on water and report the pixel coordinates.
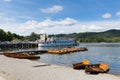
(97, 52)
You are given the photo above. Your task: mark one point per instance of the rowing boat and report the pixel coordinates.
(97, 68)
(81, 65)
(20, 55)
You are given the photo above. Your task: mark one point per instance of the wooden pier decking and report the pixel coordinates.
(32, 51)
(51, 51)
(27, 51)
(20, 45)
(24, 45)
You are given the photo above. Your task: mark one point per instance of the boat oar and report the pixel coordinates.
(41, 65)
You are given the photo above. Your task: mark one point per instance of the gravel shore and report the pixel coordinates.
(22, 69)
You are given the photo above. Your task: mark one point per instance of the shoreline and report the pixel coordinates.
(21, 69)
(74, 69)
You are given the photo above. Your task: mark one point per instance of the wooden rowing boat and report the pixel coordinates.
(20, 55)
(97, 68)
(81, 65)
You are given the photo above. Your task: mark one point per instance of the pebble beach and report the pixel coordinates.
(22, 69)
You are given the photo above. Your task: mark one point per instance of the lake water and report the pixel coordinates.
(97, 52)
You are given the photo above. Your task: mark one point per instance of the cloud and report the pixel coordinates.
(35, 26)
(106, 15)
(7, 0)
(67, 25)
(118, 14)
(53, 9)
(6, 19)
(47, 23)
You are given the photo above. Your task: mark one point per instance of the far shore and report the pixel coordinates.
(22, 69)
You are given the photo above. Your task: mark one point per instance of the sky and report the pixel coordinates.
(59, 16)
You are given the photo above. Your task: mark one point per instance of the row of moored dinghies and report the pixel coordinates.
(91, 68)
(66, 50)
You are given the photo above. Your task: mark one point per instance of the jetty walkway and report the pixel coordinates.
(51, 51)
(23, 45)
(18, 44)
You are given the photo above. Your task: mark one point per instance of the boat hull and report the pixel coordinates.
(79, 66)
(21, 55)
(95, 69)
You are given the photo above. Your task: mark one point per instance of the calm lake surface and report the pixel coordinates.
(97, 52)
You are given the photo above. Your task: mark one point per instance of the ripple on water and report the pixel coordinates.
(109, 54)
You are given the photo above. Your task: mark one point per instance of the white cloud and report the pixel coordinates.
(118, 14)
(67, 25)
(53, 9)
(7, 0)
(106, 15)
(6, 19)
(32, 24)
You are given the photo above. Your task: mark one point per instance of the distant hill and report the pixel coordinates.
(106, 36)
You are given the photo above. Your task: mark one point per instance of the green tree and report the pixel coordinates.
(9, 36)
(3, 36)
(33, 36)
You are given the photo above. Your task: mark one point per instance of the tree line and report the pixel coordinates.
(8, 36)
(106, 36)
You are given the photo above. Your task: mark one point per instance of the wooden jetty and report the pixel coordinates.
(24, 45)
(32, 51)
(20, 45)
(52, 51)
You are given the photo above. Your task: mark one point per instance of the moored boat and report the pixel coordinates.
(46, 41)
(20, 55)
(97, 68)
(81, 65)
(65, 50)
